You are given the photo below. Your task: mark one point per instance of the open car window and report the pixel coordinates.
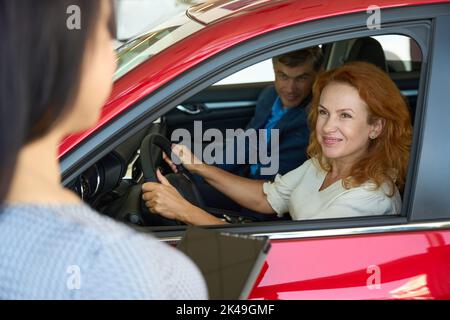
(229, 104)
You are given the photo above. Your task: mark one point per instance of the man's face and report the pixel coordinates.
(294, 84)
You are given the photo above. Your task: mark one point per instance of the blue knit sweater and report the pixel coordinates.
(72, 252)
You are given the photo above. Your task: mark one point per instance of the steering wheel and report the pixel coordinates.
(183, 181)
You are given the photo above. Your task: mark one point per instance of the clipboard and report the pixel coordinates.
(230, 263)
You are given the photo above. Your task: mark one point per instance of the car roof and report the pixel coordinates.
(242, 20)
(207, 12)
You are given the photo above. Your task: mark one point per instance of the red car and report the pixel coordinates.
(202, 66)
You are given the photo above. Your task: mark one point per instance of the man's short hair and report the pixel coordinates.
(295, 58)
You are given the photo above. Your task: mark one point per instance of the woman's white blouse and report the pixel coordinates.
(297, 192)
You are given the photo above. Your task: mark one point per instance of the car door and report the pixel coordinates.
(383, 257)
(407, 259)
(375, 258)
(365, 263)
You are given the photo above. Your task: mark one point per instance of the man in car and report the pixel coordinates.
(282, 107)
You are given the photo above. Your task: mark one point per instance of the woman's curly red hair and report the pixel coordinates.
(388, 154)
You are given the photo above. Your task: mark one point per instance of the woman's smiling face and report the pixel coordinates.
(342, 127)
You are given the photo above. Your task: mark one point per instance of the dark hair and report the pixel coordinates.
(295, 58)
(40, 69)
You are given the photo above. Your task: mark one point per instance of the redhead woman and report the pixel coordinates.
(359, 151)
(53, 82)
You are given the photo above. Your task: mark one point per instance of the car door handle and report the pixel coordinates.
(192, 109)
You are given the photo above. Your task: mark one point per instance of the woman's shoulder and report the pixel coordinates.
(116, 261)
(157, 270)
(71, 218)
(102, 231)
(378, 198)
(66, 223)
(383, 190)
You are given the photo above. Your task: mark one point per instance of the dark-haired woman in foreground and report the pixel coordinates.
(53, 82)
(359, 150)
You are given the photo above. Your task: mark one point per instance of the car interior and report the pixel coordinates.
(112, 186)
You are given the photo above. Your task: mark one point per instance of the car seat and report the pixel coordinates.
(370, 50)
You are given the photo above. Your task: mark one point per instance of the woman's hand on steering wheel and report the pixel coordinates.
(188, 159)
(163, 199)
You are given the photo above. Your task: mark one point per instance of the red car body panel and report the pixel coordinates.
(413, 265)
(241, 25)
(409, 265)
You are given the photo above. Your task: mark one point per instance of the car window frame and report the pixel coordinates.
(430, 184)
(397, 21)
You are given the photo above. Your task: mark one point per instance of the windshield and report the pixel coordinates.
(140, 49)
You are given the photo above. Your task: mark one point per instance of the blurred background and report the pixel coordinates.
(135, 16)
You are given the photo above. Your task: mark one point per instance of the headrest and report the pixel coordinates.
(370, 50)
